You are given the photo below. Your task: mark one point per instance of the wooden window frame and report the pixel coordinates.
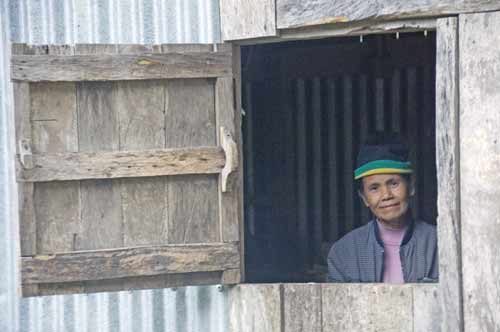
(293, 298)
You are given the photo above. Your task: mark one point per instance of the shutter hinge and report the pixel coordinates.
(231, 152)
(25, 155)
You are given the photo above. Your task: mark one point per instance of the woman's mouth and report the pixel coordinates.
(391, 206)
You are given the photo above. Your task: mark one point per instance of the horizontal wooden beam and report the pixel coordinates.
(106, 165)
(113, 67)
(129, 262)
(292, 14)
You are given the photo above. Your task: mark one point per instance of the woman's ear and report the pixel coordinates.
(360, 193)
(412, 186)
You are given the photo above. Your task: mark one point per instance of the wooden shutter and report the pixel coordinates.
(127, 166)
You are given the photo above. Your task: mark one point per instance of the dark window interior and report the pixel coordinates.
(308, 105)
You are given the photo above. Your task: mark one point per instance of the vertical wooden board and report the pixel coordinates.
(249, 158)
(58, 215)
(236, 50)
(54, 122)
(447, 163)
(367, 307)
(427, 309)
(302, 307)
(27, 221)
(228, 201)
(142, 126)
(101, 215)
(192, 200)
(412, 114)
(333, 162)
(363, 133)
(242, 19)
(379, 104)
(479, 55)
(302, 174)
(317, 168)
(349, 190)
(255, 307)
(53, 117)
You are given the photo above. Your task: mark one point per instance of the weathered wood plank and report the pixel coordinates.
(101, 211)
(479, 56)
(106, 165)
(367, 307)
(141, 122)
(141, 107)
(357, 29)
(364, 131)
(54, 128)
(193, 214)
(298, 13)
(113, 67)
(428, 309)
(255, 308)
(302, 307)
(242, 19)
(129, 262)
(447, 151)
(238, 135)
(229, 200)
(27, 218)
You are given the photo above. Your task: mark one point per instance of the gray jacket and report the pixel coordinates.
(359, 255)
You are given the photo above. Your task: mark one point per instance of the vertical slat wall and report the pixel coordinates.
(346, 136)
(336, 97)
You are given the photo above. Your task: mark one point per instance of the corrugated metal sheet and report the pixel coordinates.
(97, 21)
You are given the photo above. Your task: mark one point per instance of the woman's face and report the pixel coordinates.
(386, 195)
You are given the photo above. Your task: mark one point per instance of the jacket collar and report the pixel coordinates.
(406, 238)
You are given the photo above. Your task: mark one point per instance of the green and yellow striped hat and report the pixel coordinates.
(382, 156)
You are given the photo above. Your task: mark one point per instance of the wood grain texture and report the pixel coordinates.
(27, 217)
(129, 262)
(141, 106)
(428, 309)
(106, 165)
(298, 13)
(479, 56)
(238, 135)
(358, 28)
(302, 307)
(242, 19)
(114, 67)
(193, 214)
(101, 212)
(367, 307)
(229, 200)
(54, 130)
(447, 150)
(255, 308)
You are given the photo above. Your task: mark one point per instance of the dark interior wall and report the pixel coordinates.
(308, 107)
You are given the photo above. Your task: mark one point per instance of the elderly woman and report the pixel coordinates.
(394, 247)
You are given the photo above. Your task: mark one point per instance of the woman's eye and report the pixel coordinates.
(394, 184)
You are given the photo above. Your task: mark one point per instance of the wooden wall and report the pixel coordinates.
(309, 106)
(334, 307)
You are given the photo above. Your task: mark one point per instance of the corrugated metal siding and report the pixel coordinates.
(114, 21)
(98, 21)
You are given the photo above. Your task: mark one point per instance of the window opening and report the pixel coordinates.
(308, 105)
